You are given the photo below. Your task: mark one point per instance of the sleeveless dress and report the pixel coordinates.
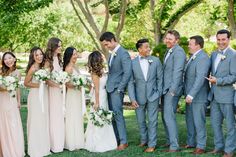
(74, 123)
(11, 131)
(56, 115)
(38, 123)
(100, 139)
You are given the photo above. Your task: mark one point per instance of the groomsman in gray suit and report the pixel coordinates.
(223, 75)
(145, 89)
(118, 77)
(196, 89)
(173, 69)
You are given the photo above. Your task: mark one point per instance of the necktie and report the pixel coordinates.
(167, 55)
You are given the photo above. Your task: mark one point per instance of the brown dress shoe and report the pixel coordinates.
(216, 152)
(149, 150)
(188, 146)
(142, 144)
(228, 155)
(199, 151)
(122, 146)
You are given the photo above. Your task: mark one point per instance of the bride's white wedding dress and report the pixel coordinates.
(100, 139)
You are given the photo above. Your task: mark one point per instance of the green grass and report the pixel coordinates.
(133, 138)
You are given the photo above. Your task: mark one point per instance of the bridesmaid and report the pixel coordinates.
(11, 131)
(74, 117)
(38, 117)
(56, 113)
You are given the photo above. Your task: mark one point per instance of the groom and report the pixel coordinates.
(118, 77)
(145, 89)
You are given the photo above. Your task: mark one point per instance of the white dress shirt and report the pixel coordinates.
(113, 53)
(167, 55)
(144, 66)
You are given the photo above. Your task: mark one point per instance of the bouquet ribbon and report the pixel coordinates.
(41, 94)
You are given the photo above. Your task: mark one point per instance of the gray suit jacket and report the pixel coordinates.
(173, 70)
(225, 74)
(195, 83)
(119, 71)
(149, 90)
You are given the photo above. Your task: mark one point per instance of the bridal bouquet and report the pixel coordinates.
(42, 75)
(11, 84)
(60, 77)
(101, 117)
(78, 81)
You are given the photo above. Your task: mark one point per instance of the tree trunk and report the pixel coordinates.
(231, 18)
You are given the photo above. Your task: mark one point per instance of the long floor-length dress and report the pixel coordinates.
(11, 131)
(100, 139)
(38, 123)
(56, 115)
(74, 123)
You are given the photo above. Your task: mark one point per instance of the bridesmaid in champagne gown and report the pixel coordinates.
(74, 123)
(38, 116)
(56, 108)
(11, 131)
(99, 139)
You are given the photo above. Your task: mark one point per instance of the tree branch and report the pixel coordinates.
(85, 26)
(105, 25)
(121, 19)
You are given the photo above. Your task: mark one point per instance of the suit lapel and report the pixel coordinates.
(149, 67)
(226, 53)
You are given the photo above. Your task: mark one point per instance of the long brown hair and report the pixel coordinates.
(31, 58)
(5, 70)
(95, 63)
(53, 44)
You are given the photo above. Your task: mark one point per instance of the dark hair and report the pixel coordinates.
(175, 33)
(95, 63)
(67, 56)
(5, 70)
(31, 58)
(224, 31)
(108, 36)
(140, 42)
(198, 40)
(51, 47)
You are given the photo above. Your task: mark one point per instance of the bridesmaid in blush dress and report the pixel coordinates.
(74, 123)
(38, 117)
(56, 108)
(11, 131)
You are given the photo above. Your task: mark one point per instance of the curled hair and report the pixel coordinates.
(31, 58)
(53, 44)
(95, 63)
(5, 70)
(67, 56)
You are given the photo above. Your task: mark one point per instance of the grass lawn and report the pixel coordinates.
(133, 137)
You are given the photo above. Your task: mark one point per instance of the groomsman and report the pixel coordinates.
(223, 75)
(145, 89)
(118, 77)
(196, 89)
(173, 69)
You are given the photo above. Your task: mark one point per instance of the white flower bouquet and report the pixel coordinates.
(78, 81)
(1, 80)
(101, 117)
(60, 77)
(234, 86)
(11, 84)
(42, 75)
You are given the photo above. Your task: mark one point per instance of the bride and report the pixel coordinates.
(99, 139)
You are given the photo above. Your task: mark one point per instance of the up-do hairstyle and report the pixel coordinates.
(107, 36)
(224, 31)
(140, 42)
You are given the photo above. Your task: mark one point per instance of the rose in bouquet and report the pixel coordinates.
(60, 77)
(101, 117)
(78, 81)
(11, 84)
(42, 75)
